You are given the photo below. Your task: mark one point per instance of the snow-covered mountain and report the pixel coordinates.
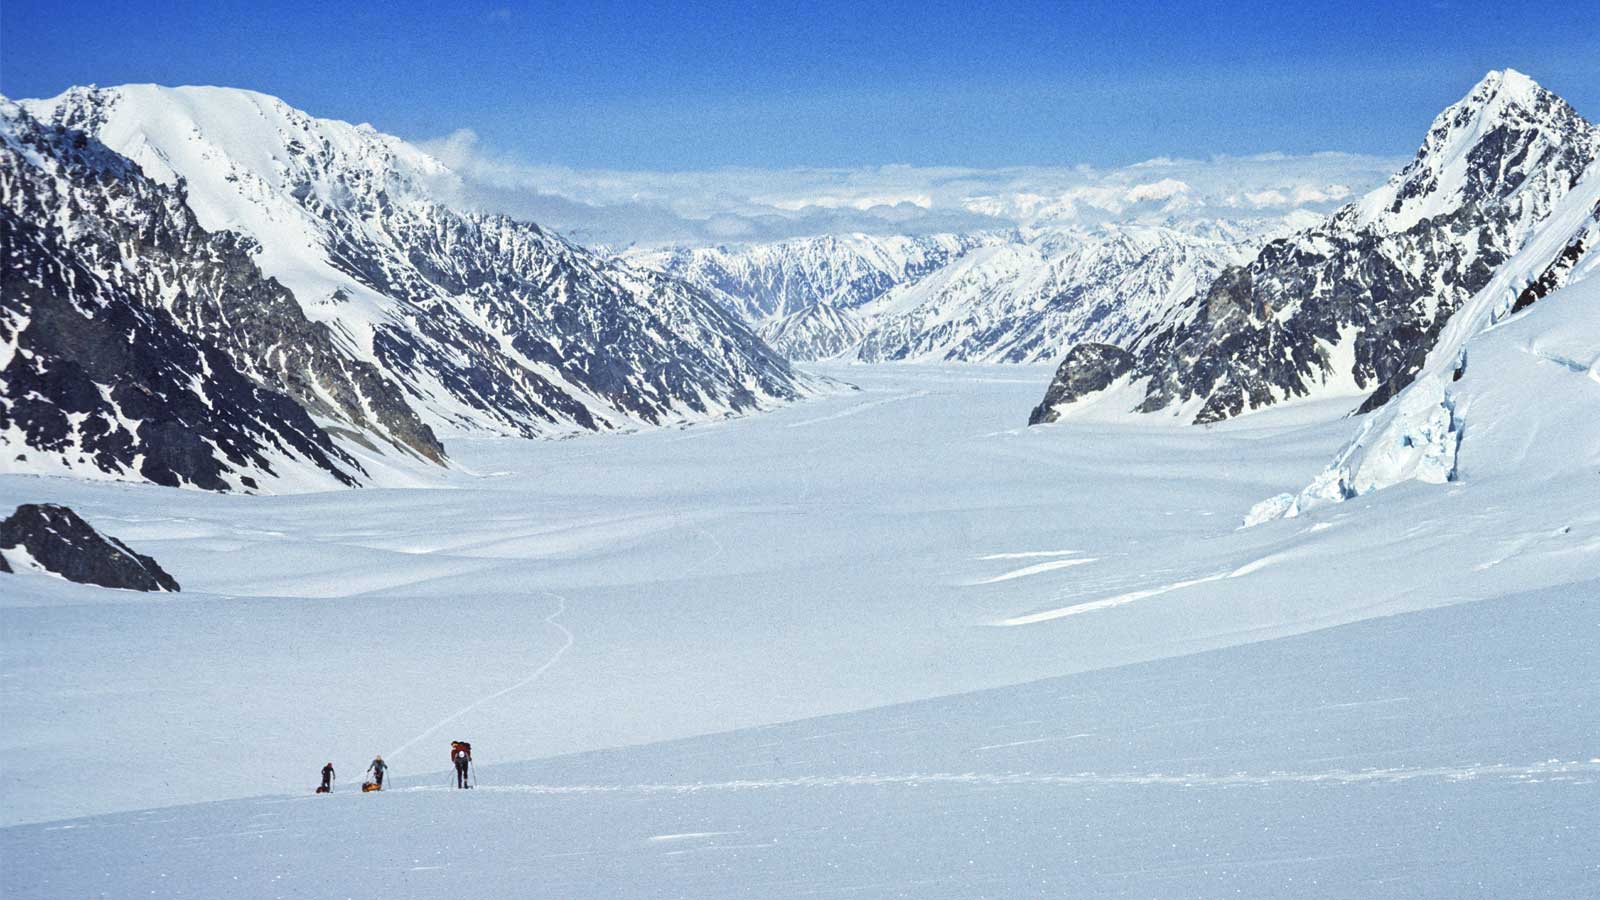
(1021, 296)
(1469, 405)
(769, 281)
(1353, 306)
(819, 331)
(488, 324)
(304, 297)
(1029, 300)
(136, 344)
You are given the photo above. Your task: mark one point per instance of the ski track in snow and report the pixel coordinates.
(1026, 554)
(1036, 569)
(689, 836)
(1132, 596)
(857, 409)
(566, 644)
(1032, 741)
(1580, 772)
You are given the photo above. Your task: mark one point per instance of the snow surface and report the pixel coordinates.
(834, 557)
(1435, 754)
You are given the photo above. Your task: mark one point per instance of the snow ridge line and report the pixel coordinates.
(1554, 769)
(561, 607)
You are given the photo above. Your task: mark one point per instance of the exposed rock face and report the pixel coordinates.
(486, 323)
(58, 540)
(1477, 387)
(126, 333)
(1088, 369)
(1353, 306)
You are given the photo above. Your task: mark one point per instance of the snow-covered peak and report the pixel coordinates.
(234, 130)
(251, 163)
(1506, 141)
(1508, 83)
(488, 323)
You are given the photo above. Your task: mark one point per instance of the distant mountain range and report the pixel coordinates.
(207, 287)
(1015, 296)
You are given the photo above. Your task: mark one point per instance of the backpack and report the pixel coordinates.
(458, 747)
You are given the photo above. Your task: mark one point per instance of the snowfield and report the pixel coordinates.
(1169, 705)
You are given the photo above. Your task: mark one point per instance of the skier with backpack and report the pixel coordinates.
(461, 755)
(327, 780)
(377, 769)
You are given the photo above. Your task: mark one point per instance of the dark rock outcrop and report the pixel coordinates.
(60, 541)
(1088, 369)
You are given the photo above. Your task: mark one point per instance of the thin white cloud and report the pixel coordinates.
(743, 204)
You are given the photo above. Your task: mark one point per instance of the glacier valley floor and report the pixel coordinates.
(639, 633)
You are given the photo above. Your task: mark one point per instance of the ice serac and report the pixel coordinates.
(57, 540)
(135, 344)
(1353, 306)
(486, 323)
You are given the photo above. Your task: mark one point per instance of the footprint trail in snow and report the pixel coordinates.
(566, 644)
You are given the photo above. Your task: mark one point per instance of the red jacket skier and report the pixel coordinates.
(461, 755)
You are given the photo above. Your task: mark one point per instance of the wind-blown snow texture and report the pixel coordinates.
(1354, 306)
(422, 318)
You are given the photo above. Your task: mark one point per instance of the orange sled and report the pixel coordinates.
(369, 786)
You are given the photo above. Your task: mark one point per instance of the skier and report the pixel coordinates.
(377, 769)
(461, 755)
(327, 780)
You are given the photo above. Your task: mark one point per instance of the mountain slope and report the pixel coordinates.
(137, 344)
(769, 281)
(1352, 307)
(992, 297)
(1030, 301)
(820, 331)
(1468, 412)
(488, 324)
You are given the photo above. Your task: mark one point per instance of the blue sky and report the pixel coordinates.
(694, 86)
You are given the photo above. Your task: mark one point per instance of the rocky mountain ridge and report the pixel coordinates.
(1352, 306)
(324, 261)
